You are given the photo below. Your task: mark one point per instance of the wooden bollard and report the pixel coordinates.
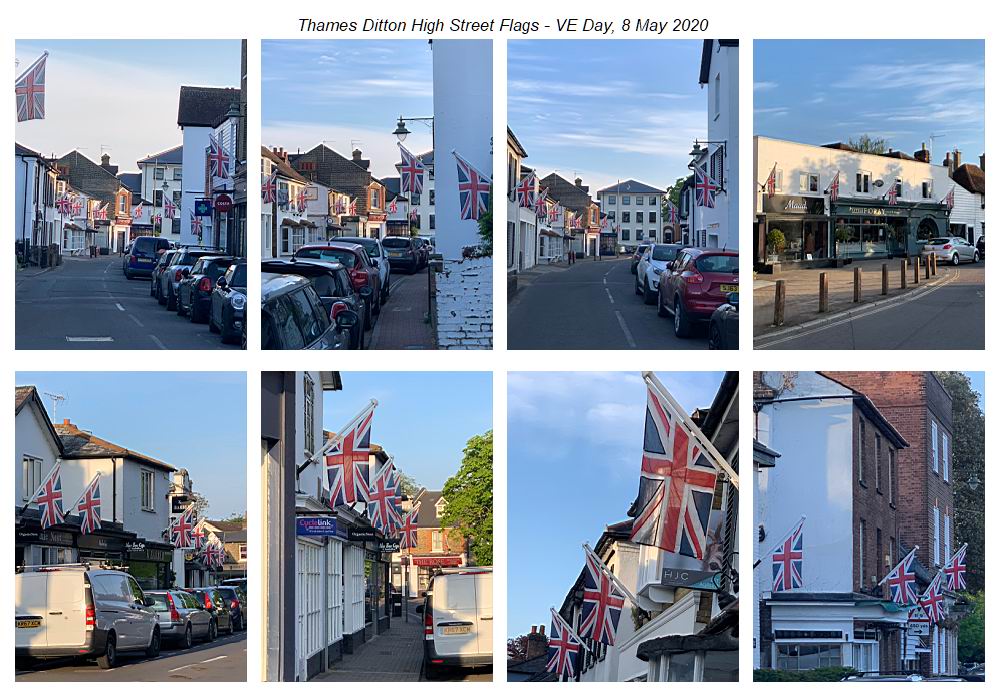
(933, 259)
(824, 292)
(885, 279)
(779, 303)
(857, 285)
(927, 267)
(902, 273)
(916, 270)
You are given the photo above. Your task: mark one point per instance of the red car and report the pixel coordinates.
(359, 266)
(695, 285)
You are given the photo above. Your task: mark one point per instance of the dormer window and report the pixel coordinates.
(440, 506)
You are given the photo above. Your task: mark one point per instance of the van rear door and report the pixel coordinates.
(30, 610)
(455, 615)
(66, 618)
(484, 601)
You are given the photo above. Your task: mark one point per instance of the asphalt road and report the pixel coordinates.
(590, 306)
(223, 660)
(949, 316)
(88, 304)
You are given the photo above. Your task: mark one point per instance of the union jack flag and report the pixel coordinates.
(473, 190)
(954, 571)
(89, 506)
(30, 91)
(218, 159)
(100, 212)
(409, 529)
(218, 554)
(834, 188)
(48, 498)
(169, 209)
(932, 601)
(181, 528)
(352, 208)
(541, 208)
(300, 200)
(137, 212)
(269, 189)
(705, 188)
(77, 206)
(196, 225)
(902, 580)
(157, 219)
(382, 507)
(526, 191)
(892, 194)
(602, 603)
(347, 462)
(676, 485)
(949, 199)
(563, 649)
(771, 184)
(393, 207)
(64, 204)
(411, 172)
(197, 539)
(672, 211)
(786, 562)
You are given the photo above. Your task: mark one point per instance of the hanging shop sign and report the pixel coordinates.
(388, 546)
(690, 578)
(364, 534)
(223, 203)
(203, 207)
(316, 527)
(784, 204)
(437, 561)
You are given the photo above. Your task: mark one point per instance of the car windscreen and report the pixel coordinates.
(939, 241)
(724, 264)
(211, 268)
(159, 600)
(369, 244)
(665, 253)
(396, 242)
(236, 276)
(143, 246)
(344, 257)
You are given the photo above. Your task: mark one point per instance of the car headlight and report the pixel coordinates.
(238, 301)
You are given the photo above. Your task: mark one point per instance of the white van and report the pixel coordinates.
(458, 619)
(74, 610)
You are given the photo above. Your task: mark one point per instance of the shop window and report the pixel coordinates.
(805, 657)
(681, 667)
(721, 666)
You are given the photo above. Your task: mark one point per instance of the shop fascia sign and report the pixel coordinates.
(316, 527)
(875, 211)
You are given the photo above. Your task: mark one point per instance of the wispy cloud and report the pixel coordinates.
(763, 85)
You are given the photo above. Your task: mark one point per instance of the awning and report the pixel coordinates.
(290, 222)
(550, 233)
(719, 635)
(308, 223)
(72, 227)
(437, 561)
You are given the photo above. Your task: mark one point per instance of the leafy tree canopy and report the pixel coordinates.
(469, 498)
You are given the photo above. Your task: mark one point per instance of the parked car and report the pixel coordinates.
(182, 620)
(233, 597)
(333, 285)
(293, 317)
(359, 266)
(428, 242)
(639, 250)
(652, 263)
(952, 249)
(173, 273)
(695, 284)
(194, 293)
(376, 252)
(404, 253)
(981, 247)
(458, 620)
(77, 611)
(240, 583)
(211, 600)
(162, 261)
(142, 255)
(724, 326)
(227, 310)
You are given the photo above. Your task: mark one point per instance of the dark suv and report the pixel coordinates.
(142, 256)
(293, 317)
(403, 252)
(194, 294)
(359, 266)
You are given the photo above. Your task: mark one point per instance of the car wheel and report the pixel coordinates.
(228, 338)
(213, 631)
(661, 308)
(171, 299)
(181, 309)
(128, 275)
(110, 656)
(682, 325)
(975, 256)
(211, 322)
(638, 291)
(715, 337)
(159, 296)
(954, 259)
(153, 650)
(431, 672)
(193, 315)
(648, 295)
(188, 638)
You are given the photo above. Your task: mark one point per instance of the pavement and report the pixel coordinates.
(86, 303)
(402, 325)
(946, 312)
(225, 659)
(591, 305)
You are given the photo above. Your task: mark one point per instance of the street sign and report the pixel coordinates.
(388, 546)
(316, 527)
(203, 207)
(364, 534)
(691, 578)
(223, 203)
(918, 628)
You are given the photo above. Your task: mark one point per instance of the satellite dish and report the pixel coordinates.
(878, 183)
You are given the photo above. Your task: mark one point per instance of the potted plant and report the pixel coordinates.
(842, 234)
(775, 244)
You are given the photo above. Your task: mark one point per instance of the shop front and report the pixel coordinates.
(36, 547)
(150, 563)
(427, 565)
(865, 230)
(792, 230)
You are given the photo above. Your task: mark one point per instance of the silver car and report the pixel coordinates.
(182, 620)
(651, 265)
(953, 249)
(170, 278)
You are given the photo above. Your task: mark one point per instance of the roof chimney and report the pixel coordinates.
(356, 154)
(923, 155)
(958, 158)
(534, 629)
(949, 163)
(105, 160)
(537, 644)
(578, 182)
(982, 162)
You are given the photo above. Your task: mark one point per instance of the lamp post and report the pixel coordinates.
(401, 132)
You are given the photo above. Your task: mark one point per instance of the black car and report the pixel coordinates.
(293, 317)
(211, 599)
(194, 293)
(724, 326)
(231, 596)
(403, 252)
(332, 284)
(376, 252)
(981, 247)
(228, 308)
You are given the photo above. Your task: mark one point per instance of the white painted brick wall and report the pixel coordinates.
(465, 305)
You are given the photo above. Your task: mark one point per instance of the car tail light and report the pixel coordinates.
(335, 310)
(428, 623)
(174, 615)
(234, 603)
(178, 275)
(205, 285)
(947, 246)
(131, 258)
(359, 278)
(91, 617)
(692, 275)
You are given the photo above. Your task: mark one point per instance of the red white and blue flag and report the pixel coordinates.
(393, 207)
(786, 562)
(77, 206)
(169, 209)
(137, 212)
(411, 172)
(269, 189)
(181, 527)
(383, 508)
(892, 193)
(564, 649)
(48, 498)
(352, 208)
(932, 601)
(949, 199)
(672, 211)
(602, 602)
(100, 212)
(89, 506)
(198, 539)
(301, 200)
(705, 188)
(541, 208)
(954, 570)
(347, 462)
(473, 190)
(771, 184)
(30, 91)
(64, 204)
(196, 225)
(834, 188)
(526, 191)
(409, 529)
(676, 485)
(218, 158)
(902, 580)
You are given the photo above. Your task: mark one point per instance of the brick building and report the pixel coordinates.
(437, 546)
(101, 182)
(353, 177)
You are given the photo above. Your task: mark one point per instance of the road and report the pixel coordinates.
(950, 316)
(590, 306)
(222, 660)
(88, 304)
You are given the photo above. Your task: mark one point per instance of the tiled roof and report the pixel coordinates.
(566, 193)
(329, 168)
(131, 180)
(204, 106)
(171, 156)
(81, 444)
(971, 177)
(21, 396)
(86, 175)
(428, 512)
(283, 167)
(228, 525)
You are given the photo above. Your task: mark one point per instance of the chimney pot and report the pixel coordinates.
(541, 629)
(105, 159)
(534, 629)
(982, 162)
(356, 154)
(578, 182)
(958, 157)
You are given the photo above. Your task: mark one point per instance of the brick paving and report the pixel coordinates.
(802, 290)
(402, 325)
(396, 655)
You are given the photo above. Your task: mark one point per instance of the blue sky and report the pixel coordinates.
(347, 94)
(119, 96)
(423, 419)
(607, 110)
(574, 447)
(191, 420)
(824, 91)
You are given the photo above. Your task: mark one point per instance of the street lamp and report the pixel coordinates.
(402, 132)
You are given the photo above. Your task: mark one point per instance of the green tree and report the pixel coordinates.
(972, 631)
(486, 230)
(869, 144)
(410, 486)
(673, 196)
(968, 473)
(469, 498)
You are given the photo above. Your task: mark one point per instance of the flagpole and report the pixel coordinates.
(653, 382)
(32, 66)
(39, 489)
(886, 577)
(780, 542)
(614, 579)
(569, 627)
(336, 437)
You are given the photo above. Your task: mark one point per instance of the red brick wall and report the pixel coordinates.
(452, 542)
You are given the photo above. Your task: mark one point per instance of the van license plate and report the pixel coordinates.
(463, 629)
(27, 624)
